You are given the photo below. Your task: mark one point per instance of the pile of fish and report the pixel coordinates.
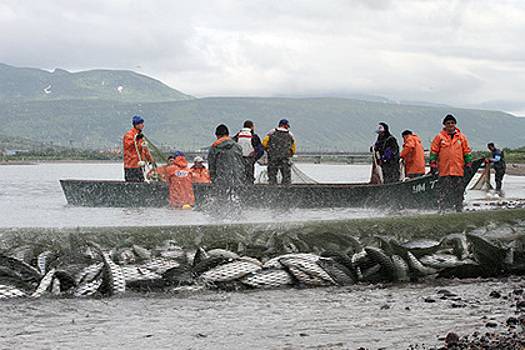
(168, 267)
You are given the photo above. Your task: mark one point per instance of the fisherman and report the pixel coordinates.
(413, 155)
(252, 149)
(199, 173)
(450, 156)
(226, 164)
(386, 151)
(280, 146)
(136, 154)
(178, 176)
(498, 163)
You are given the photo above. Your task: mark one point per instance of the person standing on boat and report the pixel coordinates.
(279, 143)
(136, 154)
(252, 149)
(450, 156)
(178, 176)
(413, 155)
(199, 173)
(386, 151)
(497, 160)
(226, 164)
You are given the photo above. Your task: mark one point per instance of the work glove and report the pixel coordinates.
(433, 167)
(142, 163)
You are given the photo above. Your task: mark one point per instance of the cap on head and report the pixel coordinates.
(176, 154)
(449, 117)
(137, 119)
(284, 122)
(406, 132)
(222, 130)
(198, 159)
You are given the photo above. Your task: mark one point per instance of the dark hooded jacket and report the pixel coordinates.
(387, 147)
(225, 163)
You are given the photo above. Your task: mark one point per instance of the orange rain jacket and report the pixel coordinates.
(451, 153)
(131, 157)
(414, 155)
(200, 175)
(178, 177)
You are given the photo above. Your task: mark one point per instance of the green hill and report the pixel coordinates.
(30, 84)
(319, 124)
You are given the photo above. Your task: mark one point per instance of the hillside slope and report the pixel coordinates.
(30, 84)
(320, 124)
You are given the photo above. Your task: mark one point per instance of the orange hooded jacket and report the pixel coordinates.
(414, 155)
(200, 175)
(131, 157)
(451, 153)
(178, 177)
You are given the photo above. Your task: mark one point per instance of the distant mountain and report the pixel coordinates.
(30, 84)
(319, 124)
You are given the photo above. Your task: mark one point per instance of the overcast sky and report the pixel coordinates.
(455, 52)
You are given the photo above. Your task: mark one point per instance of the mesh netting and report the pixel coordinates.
(298, 177)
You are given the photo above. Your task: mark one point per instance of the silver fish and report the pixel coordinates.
(134, 273)
(418, 267)
(26, 271)
(401, 269)
(160, 265)
(309, 267)
(251, 260)
(229, 272)
(89, 273)
(274, 263)
(42, 261)
(10, 292)
(223, 253)
(88, 289)
(441, 261)
(44, 285)
(306, 278)
(112, 272)
(115, 276)
(55, 286)
(141, 252)
(339, 273)
(271, 278)
(126, 257)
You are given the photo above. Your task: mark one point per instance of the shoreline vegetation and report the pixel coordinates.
(512, 156)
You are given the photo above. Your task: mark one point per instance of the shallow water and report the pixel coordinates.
(374, 317)
(322, 318)
(30, 195)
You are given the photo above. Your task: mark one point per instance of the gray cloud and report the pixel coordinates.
(457, 52)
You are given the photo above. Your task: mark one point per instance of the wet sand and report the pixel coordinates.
(373, 317)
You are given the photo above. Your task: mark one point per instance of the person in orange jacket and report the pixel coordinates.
(413, 155)
(450, 156)
(178, 176)
(136, 154)
(199, 173)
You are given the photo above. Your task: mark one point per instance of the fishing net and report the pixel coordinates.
(298, 177)
(483, 182)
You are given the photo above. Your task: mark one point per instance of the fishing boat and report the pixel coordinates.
(416, 193)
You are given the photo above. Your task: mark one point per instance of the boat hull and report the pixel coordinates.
(416, 193)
